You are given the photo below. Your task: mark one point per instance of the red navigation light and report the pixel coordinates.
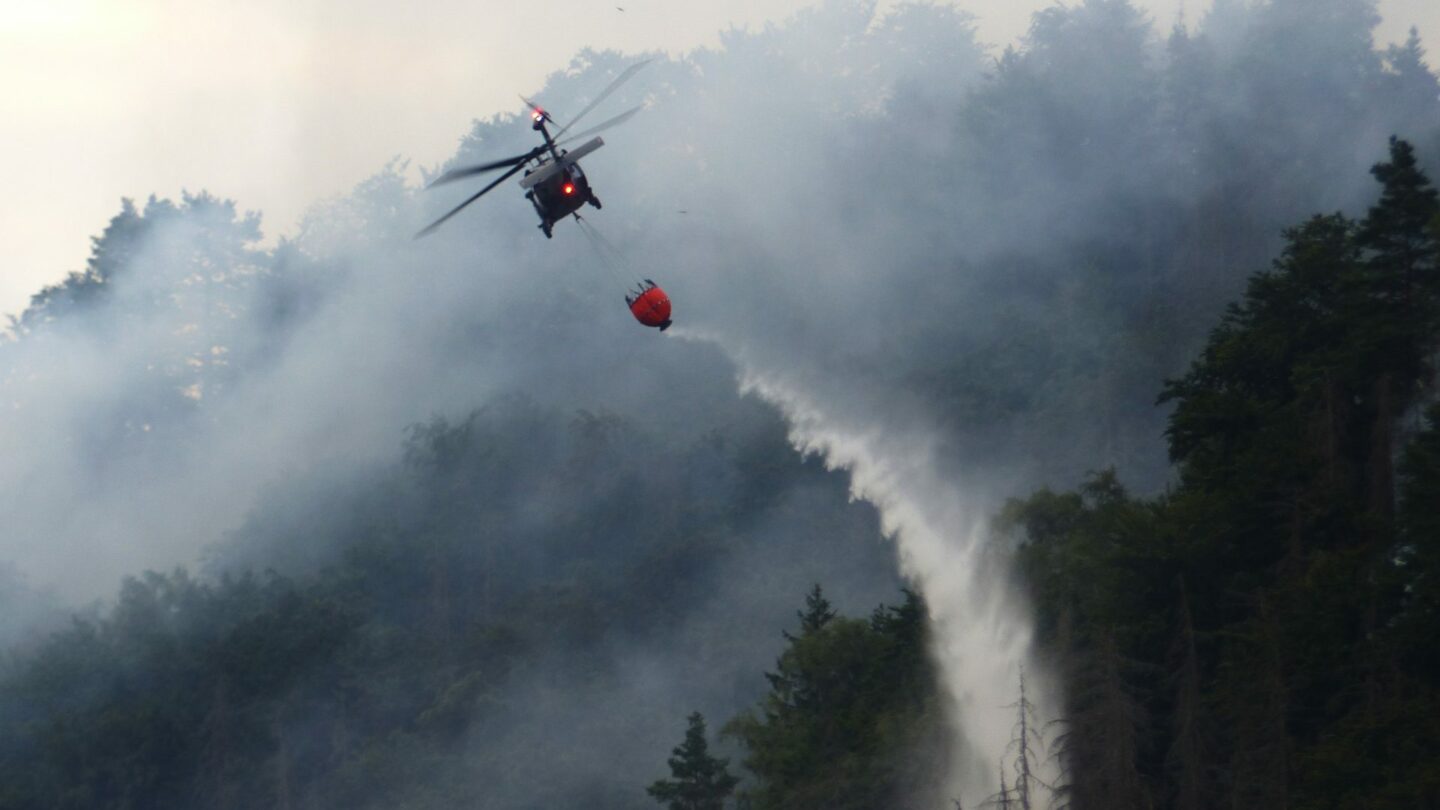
(568, 188)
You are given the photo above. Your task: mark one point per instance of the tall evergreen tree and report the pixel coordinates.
(817, 612)
(1417, 560)
(698, 780)
(1023, 747)
(852, 720)
(1402, 312)
(1311, 591)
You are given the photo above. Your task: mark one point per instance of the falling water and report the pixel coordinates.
(981, 627)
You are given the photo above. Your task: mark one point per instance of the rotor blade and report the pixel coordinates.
(598, 128)
(470, 171)
(477, 195)
(534, 108)
(604, 94)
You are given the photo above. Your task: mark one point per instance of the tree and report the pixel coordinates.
(700, 781)
(817, 613)
(1412, 87)
(1104, 735)
(852, 720)
(1022, 749)
(1401, 293)
(1188, 757)
(1416, 565)
(1307, 588)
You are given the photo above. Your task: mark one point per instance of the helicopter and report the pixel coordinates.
(555, 184)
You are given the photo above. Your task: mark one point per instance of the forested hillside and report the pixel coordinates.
(1261, 635)
(448, 636)
(430, 523)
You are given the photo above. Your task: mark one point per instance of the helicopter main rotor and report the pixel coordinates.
(559, 160)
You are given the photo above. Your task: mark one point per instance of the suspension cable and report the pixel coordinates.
(609, 255)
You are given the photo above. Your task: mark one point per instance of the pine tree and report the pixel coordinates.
(1402, 286)
(1259, 700)
(1103, 735)
(1003, 800)
(1417, 561)
(699, 781)
(1396, 231)
(852, 720)
(1023, 748)
(817, 612)
(1414, 84)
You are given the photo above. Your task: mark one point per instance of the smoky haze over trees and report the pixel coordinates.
(502, 520)
(1254, 636)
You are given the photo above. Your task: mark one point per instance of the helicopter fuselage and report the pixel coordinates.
(554, 182)
(558, 194)
(557, 186)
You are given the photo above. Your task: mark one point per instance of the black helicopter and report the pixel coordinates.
(555, 185)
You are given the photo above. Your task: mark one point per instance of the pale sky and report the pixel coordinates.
(279, 103)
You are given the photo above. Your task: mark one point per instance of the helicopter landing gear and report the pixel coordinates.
(546, 227)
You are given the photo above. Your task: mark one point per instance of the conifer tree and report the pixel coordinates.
(1402, 286)
(1414, 84)
(1002, 799)
(699, 781)
(1022, 747)
(817, 612)
(1397, 232)
(1417, 562)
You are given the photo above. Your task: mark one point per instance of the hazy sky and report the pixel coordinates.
(278, 103)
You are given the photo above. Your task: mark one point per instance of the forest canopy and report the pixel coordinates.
(433, 523)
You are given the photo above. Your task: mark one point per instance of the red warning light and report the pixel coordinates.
(568, 188)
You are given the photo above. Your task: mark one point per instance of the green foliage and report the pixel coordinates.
(202, 234)
(166, 695)
(1276, 599)
(1416, 568)
(852, 719)
(698, 781)
(817, 612)
(422, 610)
(436, 622)
(1091, 554)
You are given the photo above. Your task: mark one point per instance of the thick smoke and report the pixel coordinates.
(958, 274)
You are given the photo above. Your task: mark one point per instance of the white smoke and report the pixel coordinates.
(958, 278)
(981, 628)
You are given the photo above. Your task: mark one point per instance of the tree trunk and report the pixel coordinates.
(1187, 759)
(1260, 759)
(1381, 495)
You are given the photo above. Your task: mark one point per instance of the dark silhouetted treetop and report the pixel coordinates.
(698, 781)
(1293, 668)
(852, 720)
(817, 612)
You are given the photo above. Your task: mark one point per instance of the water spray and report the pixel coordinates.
(982, 633)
